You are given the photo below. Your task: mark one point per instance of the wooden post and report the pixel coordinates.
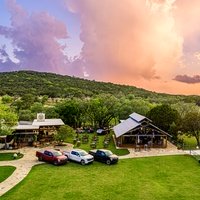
(135, 140)
(165, 141)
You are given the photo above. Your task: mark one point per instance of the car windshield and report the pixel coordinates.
(57, 153)
(83, 153)
(108, 153)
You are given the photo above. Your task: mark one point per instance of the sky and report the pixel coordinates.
(150, 44)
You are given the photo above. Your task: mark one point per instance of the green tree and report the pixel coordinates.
(27, 101)
(6, 99)
(163, 116)
(137, 105)
(17, 104)
(64, 132)
(69, 112)
(101, 110)
(50, 112)
(37, 107)
(26, 115)
(183, 108)
(191, 125)
(44, 99)
(7, 120)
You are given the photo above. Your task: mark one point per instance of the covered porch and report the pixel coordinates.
(138, 132)
(142, 141)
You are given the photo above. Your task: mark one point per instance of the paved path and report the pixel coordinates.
(24, 165)
(170, 150)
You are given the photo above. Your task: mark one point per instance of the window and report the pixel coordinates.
(73, 153)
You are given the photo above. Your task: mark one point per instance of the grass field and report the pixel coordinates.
(111, 146)
(5, 172)
(155, 178)
(9, 156)
(189, 142)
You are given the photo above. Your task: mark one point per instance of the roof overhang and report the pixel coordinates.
(125, 127)
(134, 122)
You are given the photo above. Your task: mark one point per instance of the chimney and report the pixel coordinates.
(40, 117)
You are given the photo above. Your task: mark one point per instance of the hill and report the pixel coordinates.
(19, 83)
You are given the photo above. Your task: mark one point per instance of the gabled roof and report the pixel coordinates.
(125, 126)
(138, 118)
(135, 120)
(48, 122)
(161, 130)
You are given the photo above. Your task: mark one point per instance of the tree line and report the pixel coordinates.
(103, 110)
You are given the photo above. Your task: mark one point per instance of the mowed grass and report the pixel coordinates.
(5, 172)
(189, 142)
(155, 178)
(9, 156)
(100, 145)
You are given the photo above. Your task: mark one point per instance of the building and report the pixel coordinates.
(41, 130)
(138, 131)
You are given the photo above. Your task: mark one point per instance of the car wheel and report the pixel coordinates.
(55, 162)
(40, 158)
(108, 162)
(67, 157)
(82, 162)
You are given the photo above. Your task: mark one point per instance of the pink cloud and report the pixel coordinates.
(35, 39)
(145, 43)
(126, 41)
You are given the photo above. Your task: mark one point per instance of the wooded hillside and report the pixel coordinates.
(54, 85)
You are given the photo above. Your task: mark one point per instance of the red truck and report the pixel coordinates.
(52, 156)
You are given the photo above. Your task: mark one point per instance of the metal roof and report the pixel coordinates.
(135, 120)
(125, 126)
(138, 118)
(25, 122)
(25, 127)
(36, 124)
(48, 122)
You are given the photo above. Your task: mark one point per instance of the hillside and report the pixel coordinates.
(41, 83)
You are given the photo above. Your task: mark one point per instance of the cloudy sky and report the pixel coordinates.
(151, 44)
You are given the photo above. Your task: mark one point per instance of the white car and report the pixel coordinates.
(79, 155)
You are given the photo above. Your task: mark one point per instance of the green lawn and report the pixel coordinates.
(5, 172)
(155, 178)
(9, 156)
(100, 145)
(189, 142)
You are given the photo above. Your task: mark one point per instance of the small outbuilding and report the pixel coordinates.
(41, 130)
(138, 131)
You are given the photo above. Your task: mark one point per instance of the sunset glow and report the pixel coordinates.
(150, 44)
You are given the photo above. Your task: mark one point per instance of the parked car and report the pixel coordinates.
(103, 131)
(52, 156)
(79, 155)
(104, 155)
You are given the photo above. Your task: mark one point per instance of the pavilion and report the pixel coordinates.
(138, 131)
